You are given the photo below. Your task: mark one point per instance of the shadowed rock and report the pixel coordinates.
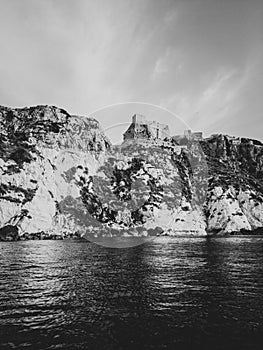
(9, 233)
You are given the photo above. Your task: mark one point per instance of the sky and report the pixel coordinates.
(199, 60)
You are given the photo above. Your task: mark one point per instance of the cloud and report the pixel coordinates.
(215, 88)
(220, 99)
(170, 61)
(193, 57)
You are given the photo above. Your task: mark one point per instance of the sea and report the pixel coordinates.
(167, 293)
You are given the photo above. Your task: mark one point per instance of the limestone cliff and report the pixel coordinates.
(235, 191)
(40, 149)
(60, 175)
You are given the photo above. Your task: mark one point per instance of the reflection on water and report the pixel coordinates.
(169, 293)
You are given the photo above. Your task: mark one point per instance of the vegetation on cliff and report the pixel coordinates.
(60, 174)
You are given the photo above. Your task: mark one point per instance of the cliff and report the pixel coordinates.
(40, 149)
(235, 191)
(61, 176)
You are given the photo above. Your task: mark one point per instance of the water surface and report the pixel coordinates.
(169, 293)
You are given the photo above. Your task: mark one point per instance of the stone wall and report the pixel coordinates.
(143, 128)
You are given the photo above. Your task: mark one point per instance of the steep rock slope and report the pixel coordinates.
(59, 175)
(39, 147)
(235, 192)
(142, 189)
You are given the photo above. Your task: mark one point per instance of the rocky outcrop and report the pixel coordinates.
(142, 191)
(235, 192)
(60, 177)
(40, 149)
(9, 233)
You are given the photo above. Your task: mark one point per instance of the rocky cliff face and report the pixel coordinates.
(235, 192)
(60, 175)
(40, 150)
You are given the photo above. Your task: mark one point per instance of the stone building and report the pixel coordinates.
(196, 136)
(187, 136)
(141, 128)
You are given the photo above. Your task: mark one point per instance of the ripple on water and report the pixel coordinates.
(167, 293)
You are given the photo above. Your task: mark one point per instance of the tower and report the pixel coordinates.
(141, 128)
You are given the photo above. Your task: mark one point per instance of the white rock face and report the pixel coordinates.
(51, 175)
(251, 207)
(59, 175)
(180, 222)
(226, 214)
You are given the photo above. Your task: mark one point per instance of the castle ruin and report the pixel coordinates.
(141, 128)
(196, 136)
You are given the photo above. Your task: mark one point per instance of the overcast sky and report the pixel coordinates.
(200, 59)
